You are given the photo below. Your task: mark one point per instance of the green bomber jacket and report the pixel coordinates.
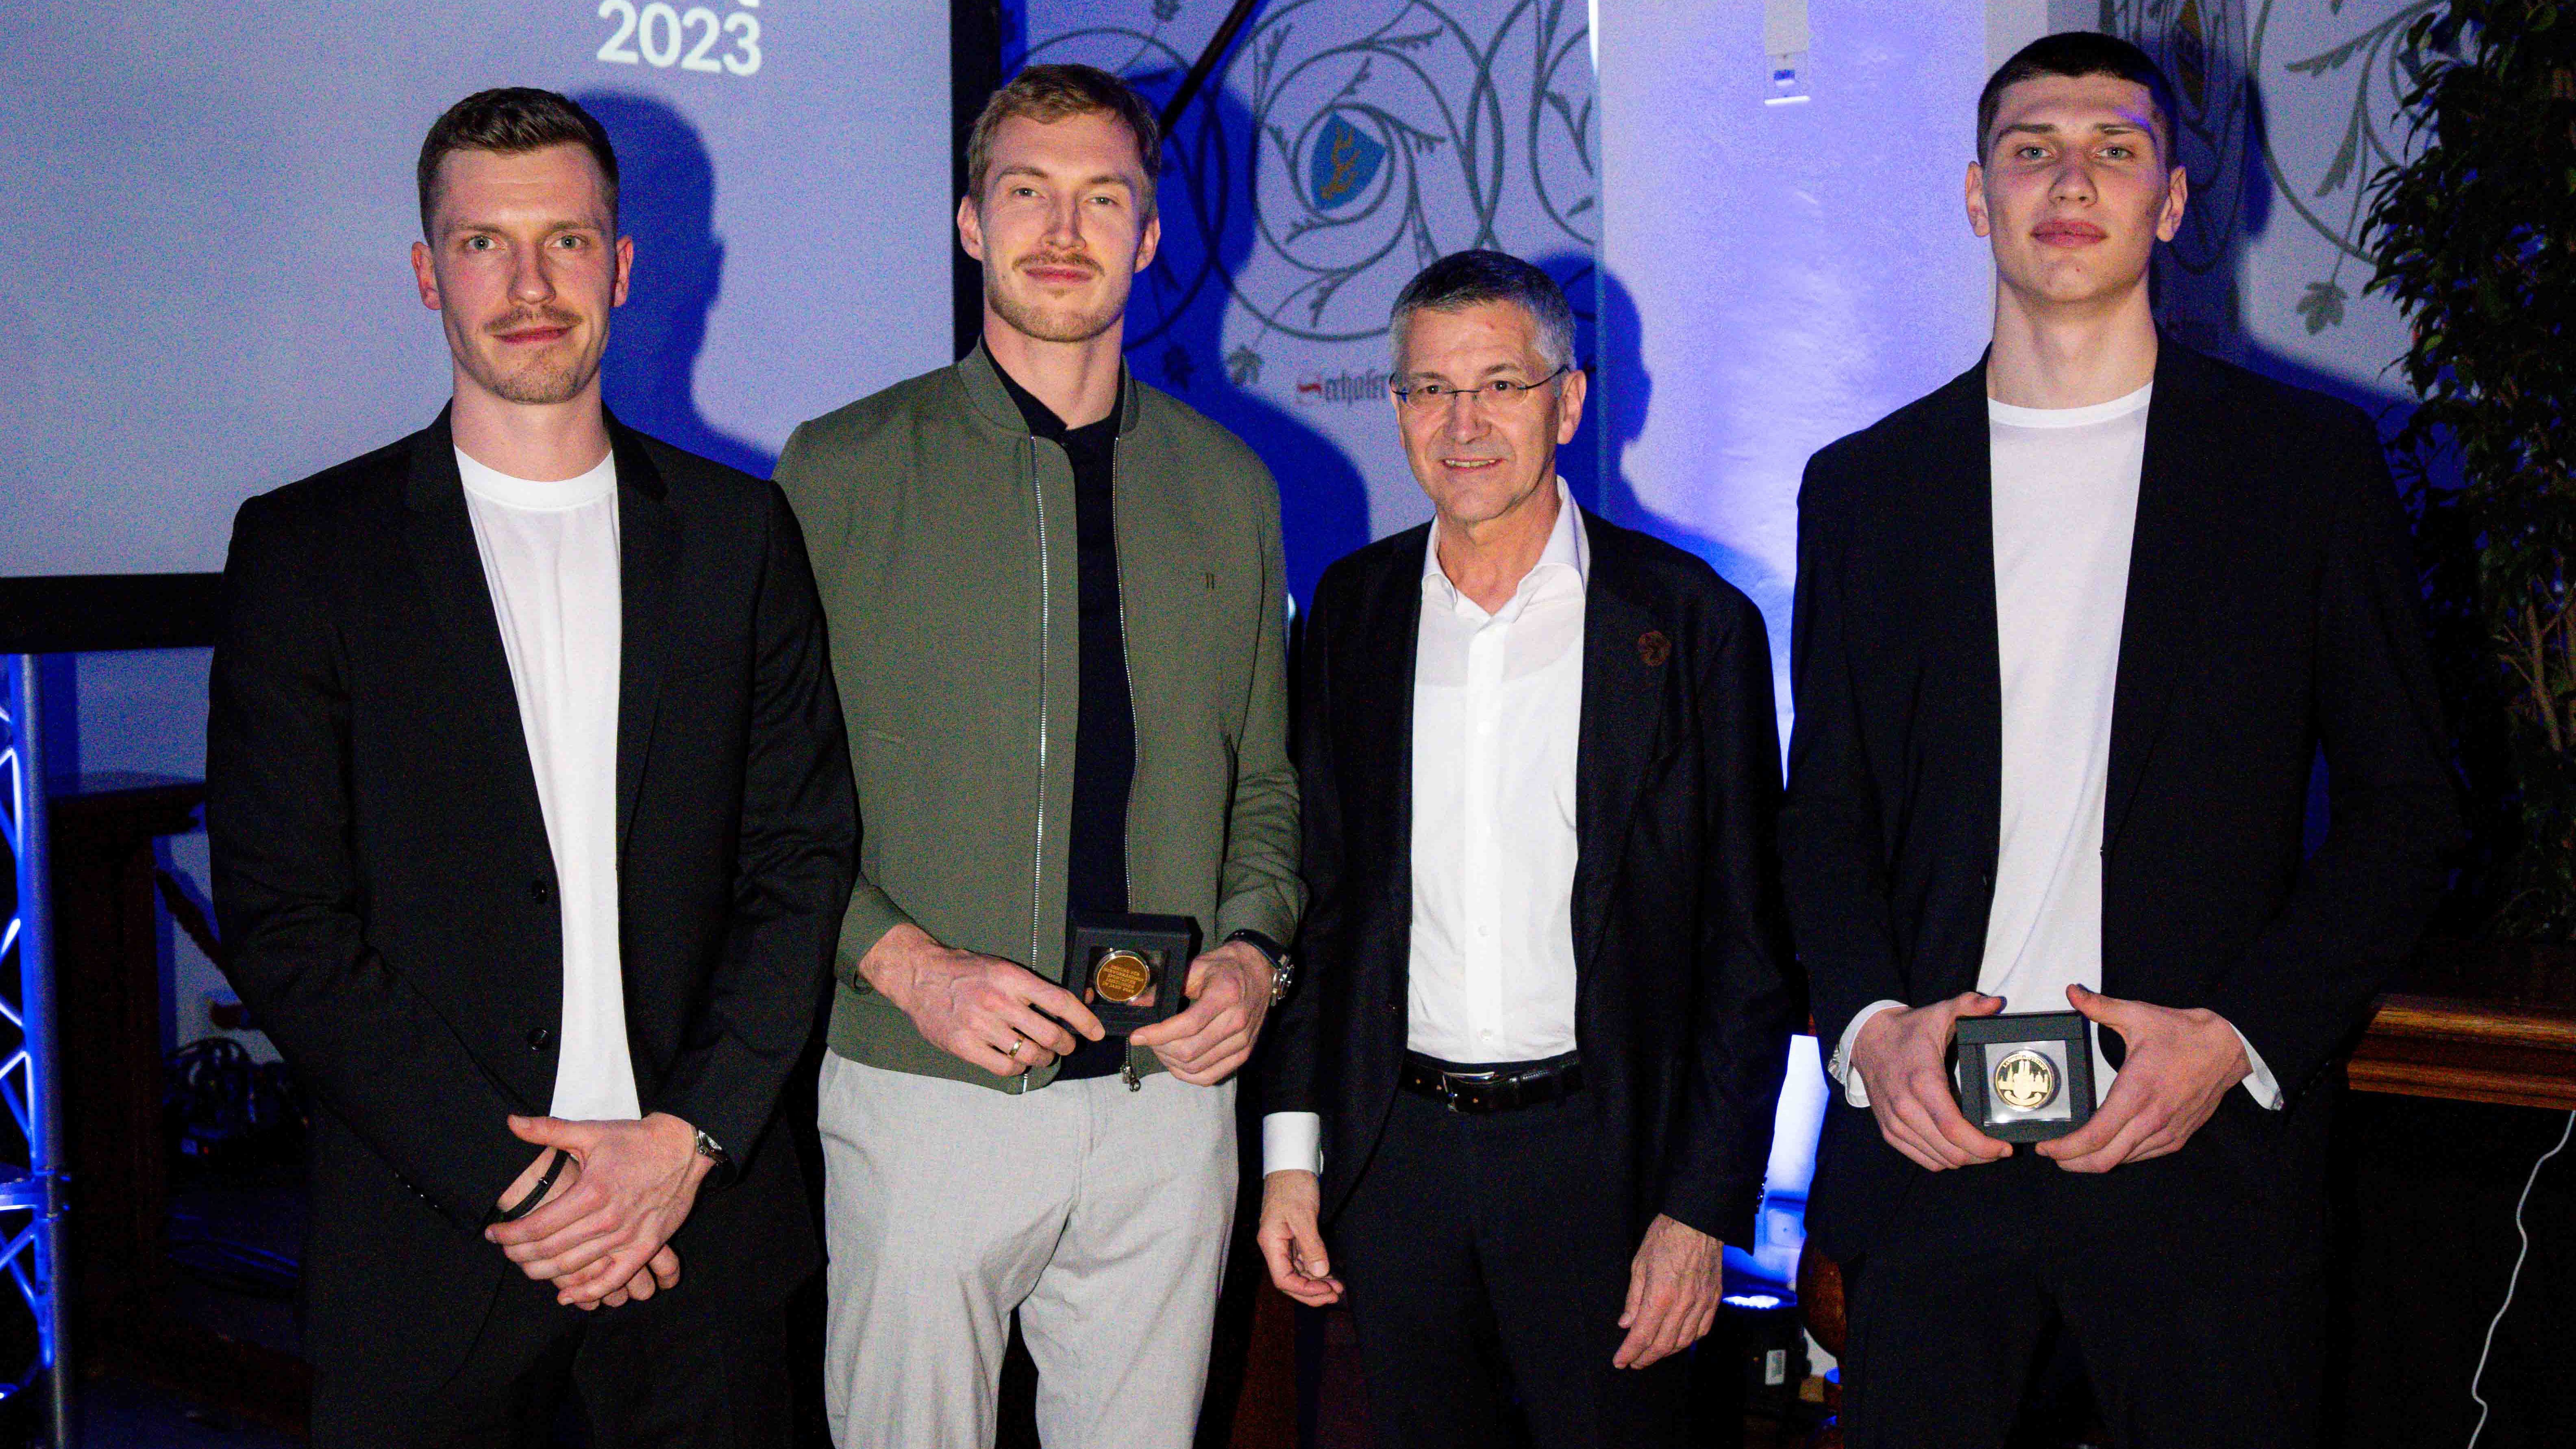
(942, 537)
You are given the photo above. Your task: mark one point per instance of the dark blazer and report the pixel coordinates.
(1683, 1003)
(386, 889)
(2272, 611)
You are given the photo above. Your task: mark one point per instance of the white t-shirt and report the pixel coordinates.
(2065, 512)
(550, 557)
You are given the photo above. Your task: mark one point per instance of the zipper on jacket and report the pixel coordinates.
(1127, 1068)
(1037, 866)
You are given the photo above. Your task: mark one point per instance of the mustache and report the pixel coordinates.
(531, 317)
(1059, 259)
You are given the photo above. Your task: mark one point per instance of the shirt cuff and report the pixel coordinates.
(1855, 1091)
(2259, 1082)
(1293, 1142)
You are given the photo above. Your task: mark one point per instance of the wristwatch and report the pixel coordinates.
(1283, 969)
(713, 1151)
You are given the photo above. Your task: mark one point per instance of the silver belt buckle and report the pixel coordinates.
(1449, 1086)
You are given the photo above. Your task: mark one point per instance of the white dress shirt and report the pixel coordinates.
(2065, 513)
(550, 557)
(1497, 714)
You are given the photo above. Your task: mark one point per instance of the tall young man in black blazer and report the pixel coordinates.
(532, 827)
(1527, 1087)
(2071, 633)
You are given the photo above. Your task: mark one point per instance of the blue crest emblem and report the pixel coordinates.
(1342, 163)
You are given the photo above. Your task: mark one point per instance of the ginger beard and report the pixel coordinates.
(1062, 222)
(1018, 295)
(532, 374)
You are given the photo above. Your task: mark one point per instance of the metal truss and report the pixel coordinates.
(31, 1180)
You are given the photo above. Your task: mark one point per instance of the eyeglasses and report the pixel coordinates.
(1501, 392)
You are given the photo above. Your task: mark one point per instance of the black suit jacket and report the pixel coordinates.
(2272, 610)
(1683, 1005)
(386, 888)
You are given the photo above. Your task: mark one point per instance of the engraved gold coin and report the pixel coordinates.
(2025, 1081)
(1121, 976)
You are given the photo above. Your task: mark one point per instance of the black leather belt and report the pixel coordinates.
(1495, 1088)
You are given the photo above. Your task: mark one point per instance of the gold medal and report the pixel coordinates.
(1121, 976)
(2025, 1081)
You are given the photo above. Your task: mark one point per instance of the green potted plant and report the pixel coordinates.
(2475, 239)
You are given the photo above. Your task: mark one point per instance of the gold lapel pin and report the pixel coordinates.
(1654, 648)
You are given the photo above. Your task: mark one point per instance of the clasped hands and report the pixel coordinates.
(1006, 1019)
(1674, 1282)
(2180, 1065)
(602, 1235)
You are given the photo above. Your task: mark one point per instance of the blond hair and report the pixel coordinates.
(1049, 93)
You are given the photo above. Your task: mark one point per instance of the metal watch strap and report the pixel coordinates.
(721, 1168)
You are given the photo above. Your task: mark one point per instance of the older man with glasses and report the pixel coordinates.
(1540, 772)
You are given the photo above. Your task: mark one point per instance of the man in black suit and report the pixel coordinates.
(532, 826)
(2071, 633)
(1529, 1080)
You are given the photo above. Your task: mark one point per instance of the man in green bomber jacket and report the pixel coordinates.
(1055, 601)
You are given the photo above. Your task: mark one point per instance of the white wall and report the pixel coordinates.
(1798, 270)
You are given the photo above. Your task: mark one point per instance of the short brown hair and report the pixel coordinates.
(2076, 54)
(512, 121)
(1049, 93)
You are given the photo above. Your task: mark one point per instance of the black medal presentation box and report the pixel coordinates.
(1130, 970)
(2024, 1078)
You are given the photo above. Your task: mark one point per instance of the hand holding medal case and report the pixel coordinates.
(1130, 970)
(2025, 1078)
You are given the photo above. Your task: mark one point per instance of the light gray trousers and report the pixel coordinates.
(1098, 1212)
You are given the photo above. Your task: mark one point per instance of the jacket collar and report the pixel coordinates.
(434, 484)
(981, 378)
(2173, 563)
(2171, 557)
(1628, 694)
(441, 542)
(1568, 549)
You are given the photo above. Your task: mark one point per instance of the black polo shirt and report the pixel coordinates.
(1104, 738)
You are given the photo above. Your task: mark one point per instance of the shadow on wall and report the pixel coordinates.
(1610, 343)
(1176, 334)
(2200, 277)
(666, 203)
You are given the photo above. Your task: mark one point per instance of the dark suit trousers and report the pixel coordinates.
(2195, 1309)
(682, 1368)
(1484, 1264)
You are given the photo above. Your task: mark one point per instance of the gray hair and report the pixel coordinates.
(1464, 279)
